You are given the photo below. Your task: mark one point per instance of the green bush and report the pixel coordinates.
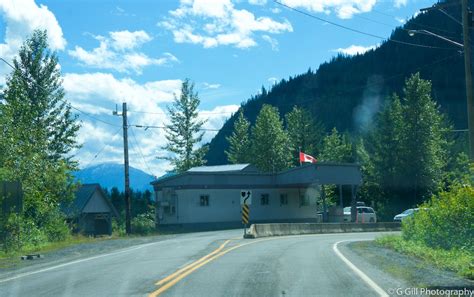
(118, 227)
(446, 221)
(55, 227)
(18, 232)
(144, 223)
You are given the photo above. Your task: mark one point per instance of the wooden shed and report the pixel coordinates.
(91, 211)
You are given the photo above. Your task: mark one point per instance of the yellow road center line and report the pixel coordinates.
(195, 267)
(205, 261)
(169, 277)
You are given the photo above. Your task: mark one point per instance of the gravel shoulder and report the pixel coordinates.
(392, 270)
(14, 265)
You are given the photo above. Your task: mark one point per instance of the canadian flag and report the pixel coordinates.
(307, 158)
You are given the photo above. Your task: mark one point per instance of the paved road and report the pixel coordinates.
(212, 264)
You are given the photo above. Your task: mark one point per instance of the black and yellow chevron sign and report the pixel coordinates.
(245, 214)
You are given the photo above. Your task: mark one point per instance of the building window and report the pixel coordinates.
(304, 200)
(283, 199)
(169, 209)
(204, 200)
(265, 199)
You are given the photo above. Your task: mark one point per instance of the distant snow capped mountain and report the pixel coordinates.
(110, 175)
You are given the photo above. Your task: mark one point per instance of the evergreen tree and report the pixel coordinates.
(385, 145)
(410, 148)
(336, 148)
(239, 141)
(184, 132)
(38, 133)
(270, 141)
(304, 133)
(424, 145)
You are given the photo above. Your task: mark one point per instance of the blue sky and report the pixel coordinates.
(139, 51)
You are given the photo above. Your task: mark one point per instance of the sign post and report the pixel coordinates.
(245, 201)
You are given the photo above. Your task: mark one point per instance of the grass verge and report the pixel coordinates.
(459, 261)
(52, 246)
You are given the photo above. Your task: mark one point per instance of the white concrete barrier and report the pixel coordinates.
(281, 229)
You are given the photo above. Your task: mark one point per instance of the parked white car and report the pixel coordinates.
(364, 214)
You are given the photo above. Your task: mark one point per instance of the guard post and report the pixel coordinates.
(245, 201)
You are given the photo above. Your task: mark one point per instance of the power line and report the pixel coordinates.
(140, 152)
(164, 113)
(346, 91)
(413, 23)
(100, 151)
(359, 31)
(164, 127)
(62, 100)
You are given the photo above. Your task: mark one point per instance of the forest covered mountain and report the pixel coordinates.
(347, 91)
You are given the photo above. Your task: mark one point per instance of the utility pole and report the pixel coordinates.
(466, 22)
(128, 226)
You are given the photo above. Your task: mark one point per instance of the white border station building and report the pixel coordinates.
(210, 196)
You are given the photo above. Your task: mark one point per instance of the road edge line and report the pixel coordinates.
(129, 249)
(359, 272)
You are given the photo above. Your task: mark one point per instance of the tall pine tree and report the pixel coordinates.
(409, 148)
(184, 131)
(239, 141)
(336, 148)
(424, 147)
(304, 133)
(270, 141)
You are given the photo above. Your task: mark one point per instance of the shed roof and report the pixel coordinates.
(82, 196)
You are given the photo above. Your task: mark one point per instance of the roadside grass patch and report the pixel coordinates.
(456, 260)
(49, 246)
(406, 270)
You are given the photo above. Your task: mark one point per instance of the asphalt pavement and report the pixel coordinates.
(218, 263)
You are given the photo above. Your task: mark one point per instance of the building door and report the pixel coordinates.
(101, 225)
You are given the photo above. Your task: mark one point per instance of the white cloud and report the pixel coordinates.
(400, 3)
(122, 40)
(21, 18)
(400, 20)
(344, 9)
(104, 86)
(355, 49)
(104, 91)
(215, 119)
(272, 41)
(210, 86)
(275, 10)
(223, 24)
(258, 2)
(119, 11)
(118, 52)
(272, 80)
(97, 94)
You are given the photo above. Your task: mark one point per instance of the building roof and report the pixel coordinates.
(82, 196)
(247, 176)
(223, 168)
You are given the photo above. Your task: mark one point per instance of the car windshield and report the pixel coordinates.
(218, 147)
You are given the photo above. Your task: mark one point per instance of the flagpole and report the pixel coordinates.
(299, 155)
